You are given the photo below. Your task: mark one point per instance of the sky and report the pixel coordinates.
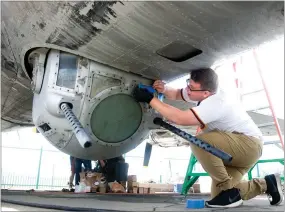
(18, 158)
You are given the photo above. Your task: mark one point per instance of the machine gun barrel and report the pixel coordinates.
(81, 135)
(192, 139)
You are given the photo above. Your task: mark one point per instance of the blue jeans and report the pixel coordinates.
(78, 165)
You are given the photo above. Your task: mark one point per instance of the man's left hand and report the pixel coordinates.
(142, 95)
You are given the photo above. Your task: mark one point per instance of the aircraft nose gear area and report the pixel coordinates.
(86, 107)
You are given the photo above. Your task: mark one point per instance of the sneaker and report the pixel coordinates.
(274, 189)
(226, 199)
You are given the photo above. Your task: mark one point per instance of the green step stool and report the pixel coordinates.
(191, 177)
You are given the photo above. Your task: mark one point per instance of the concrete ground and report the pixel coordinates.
(50, 201)
(13, 207)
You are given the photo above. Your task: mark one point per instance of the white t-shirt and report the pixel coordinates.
(221, 112)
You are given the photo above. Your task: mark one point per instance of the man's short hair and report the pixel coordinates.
(207, 78)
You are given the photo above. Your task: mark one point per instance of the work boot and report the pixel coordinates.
(274, 189)
(226, 199)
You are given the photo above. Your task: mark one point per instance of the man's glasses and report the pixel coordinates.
(188, 86)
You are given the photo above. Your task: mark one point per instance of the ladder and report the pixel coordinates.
(271, 122)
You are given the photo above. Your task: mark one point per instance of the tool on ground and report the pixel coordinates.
(192, 139)
(152, 90)
(82, 137)
(195, 203)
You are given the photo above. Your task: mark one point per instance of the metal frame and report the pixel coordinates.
(280, 160)
(268, 98)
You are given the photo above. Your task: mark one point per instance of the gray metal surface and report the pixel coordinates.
(81, 135)
(126, 35)
(127, 202)
(117, 129)
(261, 120)
(14, 207)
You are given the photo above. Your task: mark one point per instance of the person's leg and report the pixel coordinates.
(71, 178)
(214, 189)
(271, 185)
(72, 173)
(245, 151)
(250, 189)
(87, 165)
(78, 163)
(235, 173)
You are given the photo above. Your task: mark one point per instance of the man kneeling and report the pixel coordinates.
(226, 126)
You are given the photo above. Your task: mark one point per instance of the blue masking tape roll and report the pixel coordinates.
(148, 87)
(195, 203)
(151, 90)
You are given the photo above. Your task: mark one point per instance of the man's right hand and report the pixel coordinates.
(159, 86)
(169, 93)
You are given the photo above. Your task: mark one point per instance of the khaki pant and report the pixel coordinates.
(245, 151)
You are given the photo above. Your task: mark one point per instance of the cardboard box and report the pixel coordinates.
(158, 187)
(102, 189)
(82, 176)
(132, 184)
(135, 190)
(140, 190)
(132, 178)
(146, 190)
(94, 189)
(196, 188)
(124, 184)
(92, 179)
(135, 184)
(116, 187)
